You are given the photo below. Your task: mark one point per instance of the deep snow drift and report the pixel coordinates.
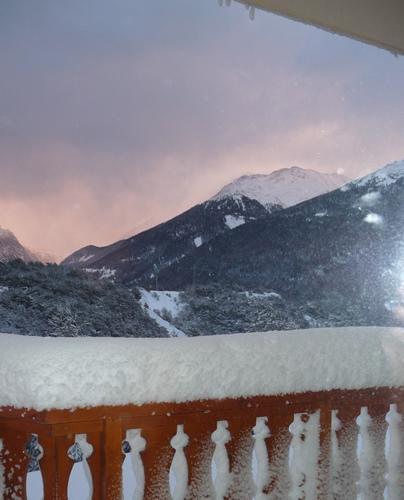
(45, 373)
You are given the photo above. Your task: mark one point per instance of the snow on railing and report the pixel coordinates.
(319, 417)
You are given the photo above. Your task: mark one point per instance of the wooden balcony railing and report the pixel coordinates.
(311, 445)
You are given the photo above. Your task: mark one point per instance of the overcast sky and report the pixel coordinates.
(117, 115)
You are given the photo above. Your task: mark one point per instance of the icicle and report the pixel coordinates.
(252, 13)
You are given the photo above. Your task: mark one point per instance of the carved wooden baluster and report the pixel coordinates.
(15, 463)
(345, 473)
(157, 458)
(278, 452)
(179, 464)
(64, 464)
(220, 460)
(80, 451)
(304, 456)
(199, 454)
(377, 435)
(395, 454)
(261, 432)
(240, 449)
(134, 446)
(112, 459)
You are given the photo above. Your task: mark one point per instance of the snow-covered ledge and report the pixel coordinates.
(61, 373)
(297, 403)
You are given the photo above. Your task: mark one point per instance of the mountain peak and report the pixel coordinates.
(284, 187)
(11, 248)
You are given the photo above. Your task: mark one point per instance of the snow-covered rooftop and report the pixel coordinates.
(46, 373)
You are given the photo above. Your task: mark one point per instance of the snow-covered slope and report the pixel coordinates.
(163, 307)
(285, 187)
(383, 177)
(11, 248)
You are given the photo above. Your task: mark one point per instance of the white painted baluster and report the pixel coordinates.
(394, 456)
(34, 484)
(365, 454)
(133, 470)
(179, 466)
(304, 455)
(220, 462)
(80, 485)
(260, 457)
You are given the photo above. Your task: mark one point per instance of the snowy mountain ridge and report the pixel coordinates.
(282, 188)
(11, 248)
(382, 177)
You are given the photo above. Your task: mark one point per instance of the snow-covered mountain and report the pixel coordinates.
(158, 247)
(333, 260)
(336, 259)
(381, 178)
(282, 188)
(245, 200)
(11, 248)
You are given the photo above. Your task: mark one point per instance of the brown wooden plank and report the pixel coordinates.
(278, 452)
(157, 458)
(49, 468)
(308, 400)
(64, 465)
(199, 454)
(112, 460)
(95, 462)
(240, 449)
(325, 452)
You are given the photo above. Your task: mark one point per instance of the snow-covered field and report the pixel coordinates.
(45, 373)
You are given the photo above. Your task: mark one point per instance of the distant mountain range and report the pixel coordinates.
(292, 249)
(334, 259)
(141, 258)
